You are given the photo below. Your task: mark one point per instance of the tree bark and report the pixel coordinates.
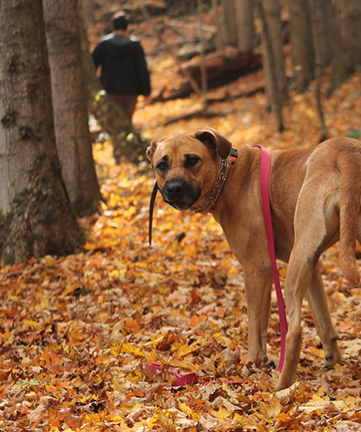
(204, 87)
(302, 48)
(217, 22)
(321, 15)
(73, 138)
(316, 19)
(346, 43)
(274, 61)
(245, 24)
(36, 217)
(229, 24)
(88, 9)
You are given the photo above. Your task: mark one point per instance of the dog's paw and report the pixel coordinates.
(332, 359)
(332, 352)
(250, 366)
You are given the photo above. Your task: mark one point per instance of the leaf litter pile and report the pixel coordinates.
(127, 337)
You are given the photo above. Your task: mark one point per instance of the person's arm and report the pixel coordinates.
(96, 55)
(143, 73)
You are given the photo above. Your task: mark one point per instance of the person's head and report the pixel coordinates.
(120, 21)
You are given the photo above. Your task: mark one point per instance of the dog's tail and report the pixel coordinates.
(349, 166)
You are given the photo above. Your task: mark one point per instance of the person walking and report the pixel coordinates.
(124, 72)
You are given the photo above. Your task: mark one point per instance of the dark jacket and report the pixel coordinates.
(123, 66)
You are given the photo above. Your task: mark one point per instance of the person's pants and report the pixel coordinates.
(126, 102)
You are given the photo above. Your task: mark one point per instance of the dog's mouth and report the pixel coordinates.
(179, 193)
(179, 205)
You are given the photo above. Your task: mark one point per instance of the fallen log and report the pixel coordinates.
(202, 113)
(221, 68)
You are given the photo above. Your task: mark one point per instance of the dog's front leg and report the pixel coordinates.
(258, 281)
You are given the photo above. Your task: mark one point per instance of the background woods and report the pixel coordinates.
(84, 311)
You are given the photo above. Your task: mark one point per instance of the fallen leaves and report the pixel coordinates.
(77, 334)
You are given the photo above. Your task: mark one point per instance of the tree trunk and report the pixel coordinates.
(245, 24)
(73, 138)
(88, 9)
(274, 61)
(229, 24)
(317, 19)
(203, 69)
(127, 141)
(302, 48)
(322, 30)
(217, 22)
(347, 40)
(35, 218)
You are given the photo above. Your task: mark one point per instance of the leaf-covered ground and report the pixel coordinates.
(78, 334)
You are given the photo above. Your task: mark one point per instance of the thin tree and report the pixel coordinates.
(219, 43)
(88, 9)
(73, 138)
(273, 79)
(302, 44)
(346, 41)
(245, 24)
(320, 60)
(203, 62)
(321, 13)
(35, 213)
(229, 23)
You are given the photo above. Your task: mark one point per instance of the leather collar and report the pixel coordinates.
(212, 198)
(209, 205)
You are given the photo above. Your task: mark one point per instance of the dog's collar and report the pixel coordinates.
(222, 177)
(212, 198)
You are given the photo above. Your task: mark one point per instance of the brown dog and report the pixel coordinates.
(315, 201)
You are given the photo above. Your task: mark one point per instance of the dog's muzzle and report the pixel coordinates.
(179, 193)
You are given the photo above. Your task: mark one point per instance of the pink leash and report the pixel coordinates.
(189, 378)
(266, 207)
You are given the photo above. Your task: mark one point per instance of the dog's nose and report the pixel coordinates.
(172, 188)
(179, 193)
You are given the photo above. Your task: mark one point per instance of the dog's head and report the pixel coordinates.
(186, 166)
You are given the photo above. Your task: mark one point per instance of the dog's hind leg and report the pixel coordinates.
(298, 279)
(318, 302)
(310, 239)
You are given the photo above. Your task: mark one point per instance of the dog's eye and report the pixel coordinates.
(191, 161)
(162, 166)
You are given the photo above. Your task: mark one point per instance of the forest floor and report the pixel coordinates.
(79, 334)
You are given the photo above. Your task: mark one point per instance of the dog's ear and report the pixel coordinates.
(211, 138)
(151, 149)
